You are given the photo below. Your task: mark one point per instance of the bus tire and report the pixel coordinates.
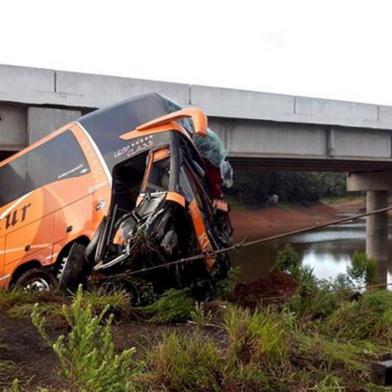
(36, 279)
(74, 269)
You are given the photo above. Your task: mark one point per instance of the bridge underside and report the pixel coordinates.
(304, 147)
(263, 144)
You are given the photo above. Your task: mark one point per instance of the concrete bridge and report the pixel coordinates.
(272, 131)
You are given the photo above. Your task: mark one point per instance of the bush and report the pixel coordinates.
(313, 303)
(362, 269)
(287, 260)
(312, 299)
(116, 302)
(172, 306)
(224, 288)
(87, 357)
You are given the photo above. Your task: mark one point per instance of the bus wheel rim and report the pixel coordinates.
(37, 284)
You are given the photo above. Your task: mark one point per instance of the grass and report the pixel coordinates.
(317, 341)
(10, 298)
(185, 363)
(19, 304)
(255, 335)
(369, 318)
(269, 349)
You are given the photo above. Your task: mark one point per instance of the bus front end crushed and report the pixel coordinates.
(165, 207)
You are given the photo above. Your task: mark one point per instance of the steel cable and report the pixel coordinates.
(244, 243)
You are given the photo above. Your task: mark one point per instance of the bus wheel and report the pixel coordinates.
(36, 279)
(74, 270)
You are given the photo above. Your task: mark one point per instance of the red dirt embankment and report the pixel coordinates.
(264, 222)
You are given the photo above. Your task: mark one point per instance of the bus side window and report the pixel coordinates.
(13, 180)
(57, 159)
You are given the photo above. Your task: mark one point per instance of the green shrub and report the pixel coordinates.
(87, 357)
(362, 269)
(317, 303)
(313, 298)
(115, 302)
(224, 288)
(172, 306)
(287, 260)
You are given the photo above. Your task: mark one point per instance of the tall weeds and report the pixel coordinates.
(87, 355)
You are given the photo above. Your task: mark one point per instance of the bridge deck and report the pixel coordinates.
(270, 130)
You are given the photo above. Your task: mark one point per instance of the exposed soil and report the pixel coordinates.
(264, 222)
(26, 355)
(277, 287)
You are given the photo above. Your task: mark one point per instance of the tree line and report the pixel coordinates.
(258, 187)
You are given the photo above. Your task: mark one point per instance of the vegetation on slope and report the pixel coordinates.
(322, 338)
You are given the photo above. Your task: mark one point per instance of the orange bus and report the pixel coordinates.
(120, 189)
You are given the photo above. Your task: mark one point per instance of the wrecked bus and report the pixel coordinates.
(122, 189)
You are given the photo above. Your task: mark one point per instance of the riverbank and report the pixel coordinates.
(263, 222)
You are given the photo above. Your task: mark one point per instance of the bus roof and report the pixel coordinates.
(107, 124)
(130, 113)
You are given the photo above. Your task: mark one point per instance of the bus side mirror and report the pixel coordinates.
(198, 117)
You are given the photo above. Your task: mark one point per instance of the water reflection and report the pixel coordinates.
(327, 251)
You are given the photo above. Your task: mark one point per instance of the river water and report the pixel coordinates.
(328, 251)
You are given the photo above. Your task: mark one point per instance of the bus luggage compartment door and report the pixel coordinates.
(31, 241)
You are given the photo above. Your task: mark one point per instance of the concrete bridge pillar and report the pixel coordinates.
(377, 187)
(377, 232)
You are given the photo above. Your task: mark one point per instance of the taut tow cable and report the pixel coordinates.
(244, 243)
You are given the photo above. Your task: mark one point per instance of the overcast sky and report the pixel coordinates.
(333, 49)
